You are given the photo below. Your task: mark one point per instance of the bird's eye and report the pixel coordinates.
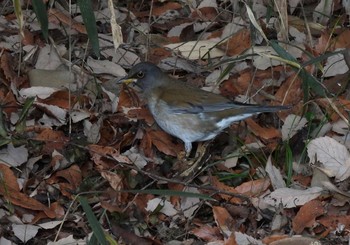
(140, 74)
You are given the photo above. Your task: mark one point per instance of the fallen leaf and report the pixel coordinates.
(207, 233)
(253, 187)
(307, 214)
(264, 133)
(24, 201)
(224, 220)
(334, 156)
(238, 43)
(290, 198)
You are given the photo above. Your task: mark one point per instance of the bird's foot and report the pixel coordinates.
(182, 155)
(186, 166)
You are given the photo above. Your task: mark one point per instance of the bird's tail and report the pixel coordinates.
(250, 108)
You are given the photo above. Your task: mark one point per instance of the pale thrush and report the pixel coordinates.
(186, 112)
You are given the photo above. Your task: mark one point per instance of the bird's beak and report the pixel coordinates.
(126, 80)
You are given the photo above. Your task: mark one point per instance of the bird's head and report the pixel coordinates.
(145, 75)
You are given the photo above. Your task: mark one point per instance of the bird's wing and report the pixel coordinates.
(179, 100)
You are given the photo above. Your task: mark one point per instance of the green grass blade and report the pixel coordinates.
(21, 123)
(3, 130)
(90, 24)
(19, 15)
(310, 83)
(94, 224)
(40, 12)
(172, 193)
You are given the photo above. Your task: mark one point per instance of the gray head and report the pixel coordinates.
(146, 76)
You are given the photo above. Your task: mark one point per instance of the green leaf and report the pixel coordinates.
(19, 15)
(172, 193)
(93, 222)
(21, 123)
(90, 22)
(310, 83)
(41, 13)
(5, 142)
(3, 130)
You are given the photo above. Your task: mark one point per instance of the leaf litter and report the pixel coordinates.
(84, 135)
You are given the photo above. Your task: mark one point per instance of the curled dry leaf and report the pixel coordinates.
(60, 16)
(265, 133)
(11, 193)
(290, 198)
(275, 175)
(53, 140)
(207, 233)
(114, 180)
(292, 124)
(167, 208)
(334, 157)
(164, 142)
(224, 220)
(14, 156)
(68, 180)
(306, 216)
(253, 187)
(333, 221)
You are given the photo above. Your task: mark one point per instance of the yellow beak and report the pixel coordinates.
(127, 81)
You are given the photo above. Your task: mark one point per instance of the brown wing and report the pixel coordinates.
(184, 99)
(180, 98)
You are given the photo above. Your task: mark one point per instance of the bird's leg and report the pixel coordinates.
(184, 155)
(188, 148)
(188, 166)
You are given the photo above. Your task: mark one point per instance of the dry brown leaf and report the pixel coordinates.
(221, 186)
(205, 13)
(337, 84)
(57, 16)
(264, 133)
(111, 207)
(238, 43)
(9, 102)
(6, 66)
(290, 93)
(28, 37)
(253, 187)
(99, 154)
(54, 140)
(272, 238)
(58, 209)
(207, 233)
(127, 98)
(164, 142)
(335, 107)
(253, 82)
(60, 99)
(11, 193)
(342, 40)
(175, 200)
(130, 237)
(323, 43)
(224, 220)
(68, 179)
(159, 53)
(159, 10)
(8, 177)
(113, 179)
(104, 150)
(332, 222)
(307, 214)
(141, 114)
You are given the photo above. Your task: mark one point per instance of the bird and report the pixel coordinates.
(187, 112)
